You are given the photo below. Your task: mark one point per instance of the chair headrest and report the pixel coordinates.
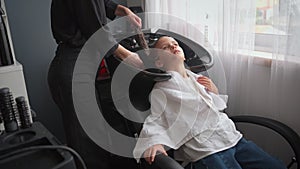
(141, 86)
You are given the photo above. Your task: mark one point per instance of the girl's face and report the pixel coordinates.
(170, 50)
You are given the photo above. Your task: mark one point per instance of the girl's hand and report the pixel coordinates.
(150, 153)
(208, 84)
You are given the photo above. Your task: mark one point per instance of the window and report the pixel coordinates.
(264, 16)
(267, 26)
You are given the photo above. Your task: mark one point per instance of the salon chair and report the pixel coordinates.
(198, 60)
(139, 97)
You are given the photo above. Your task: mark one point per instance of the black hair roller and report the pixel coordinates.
(24, 112)
(8, 110)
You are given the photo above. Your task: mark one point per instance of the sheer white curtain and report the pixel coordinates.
(236, 27)
(284, 84)
(199, 13)
(229, 27)
(255, 85)
(195, 19)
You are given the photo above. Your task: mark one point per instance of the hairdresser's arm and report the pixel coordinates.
(129, 57)
(124, 54)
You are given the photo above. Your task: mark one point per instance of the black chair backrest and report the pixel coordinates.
(141, 86)
(198, 59)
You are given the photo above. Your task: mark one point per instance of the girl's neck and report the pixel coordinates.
(178, 68)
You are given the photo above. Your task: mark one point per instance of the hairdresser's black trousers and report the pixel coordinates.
(60, 84)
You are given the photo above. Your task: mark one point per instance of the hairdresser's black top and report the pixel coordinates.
(74, 21)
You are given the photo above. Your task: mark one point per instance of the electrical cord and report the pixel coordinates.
(46, 147)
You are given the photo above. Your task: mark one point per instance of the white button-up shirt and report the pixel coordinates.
(185, 117)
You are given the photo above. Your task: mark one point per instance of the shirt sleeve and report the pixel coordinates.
(220, 101)
(110, 8)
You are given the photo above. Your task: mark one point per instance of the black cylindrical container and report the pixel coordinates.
(8, 110)
(24, 112)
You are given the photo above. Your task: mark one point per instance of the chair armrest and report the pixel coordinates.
(166, 162)
(285, 131)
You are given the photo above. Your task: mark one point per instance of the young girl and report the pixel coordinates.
(185, 116)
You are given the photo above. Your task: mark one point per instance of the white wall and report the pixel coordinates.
(34, 48)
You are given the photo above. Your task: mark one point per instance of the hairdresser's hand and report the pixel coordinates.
(208, 84)
(135, 20)
(150, 153)
(134, 60)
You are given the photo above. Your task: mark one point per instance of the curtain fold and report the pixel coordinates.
(236, 23)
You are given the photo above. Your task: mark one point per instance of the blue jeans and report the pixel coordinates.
(245, 155)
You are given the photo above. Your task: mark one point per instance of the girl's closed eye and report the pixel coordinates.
(169, 46)
(164, 47)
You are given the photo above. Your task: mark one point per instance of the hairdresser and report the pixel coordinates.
(72, 23)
